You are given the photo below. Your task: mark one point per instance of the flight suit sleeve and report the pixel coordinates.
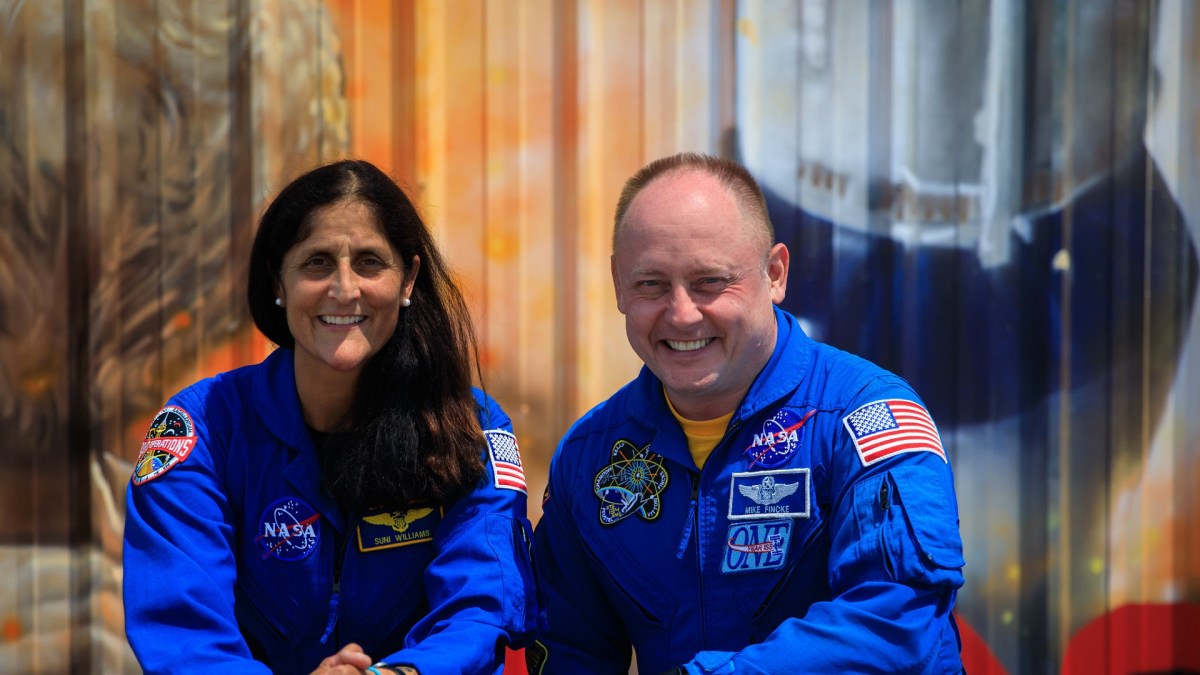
(480, 585)
(584, 633)
(179, 566)
(895, 565)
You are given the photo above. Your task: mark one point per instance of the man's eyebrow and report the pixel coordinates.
(698, 272)
(645, 271)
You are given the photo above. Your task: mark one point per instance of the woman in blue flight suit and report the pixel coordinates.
(350, 498)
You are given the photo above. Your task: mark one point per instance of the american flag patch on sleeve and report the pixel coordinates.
(892, 427)
(506, 460)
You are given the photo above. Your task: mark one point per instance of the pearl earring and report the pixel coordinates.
(279, 302)
(405, 302)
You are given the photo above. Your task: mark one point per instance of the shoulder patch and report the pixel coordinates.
(505, 458)
(168, 442)
(892, 427)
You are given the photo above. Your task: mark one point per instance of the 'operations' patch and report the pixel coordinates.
(754, 546)
(630, 484)
(168, 442)
(389, 529)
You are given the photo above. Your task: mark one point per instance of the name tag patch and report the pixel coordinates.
(389, 529)
(750, 547)
(758, 495)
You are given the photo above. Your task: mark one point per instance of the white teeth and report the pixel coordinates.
(342, 320)
(687, 346)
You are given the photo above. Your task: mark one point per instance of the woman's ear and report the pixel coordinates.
(410, 277)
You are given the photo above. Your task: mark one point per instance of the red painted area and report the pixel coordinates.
(514, 662)
(1138, 639)
(10, 629)
(977, 658)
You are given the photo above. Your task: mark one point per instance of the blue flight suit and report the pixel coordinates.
(820, 536)
(234, 552)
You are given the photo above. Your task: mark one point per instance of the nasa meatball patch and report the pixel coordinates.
(778, 440)
(168, 442)
(289, 529)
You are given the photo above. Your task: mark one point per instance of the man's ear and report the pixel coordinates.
(777, 272)
(616, 277)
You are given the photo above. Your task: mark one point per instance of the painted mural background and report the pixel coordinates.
(998, 200)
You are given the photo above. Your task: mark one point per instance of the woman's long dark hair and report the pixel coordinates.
(413, 435)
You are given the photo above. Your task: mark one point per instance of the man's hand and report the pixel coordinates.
(350, 660)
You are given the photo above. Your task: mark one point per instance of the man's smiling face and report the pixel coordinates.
(697, 289)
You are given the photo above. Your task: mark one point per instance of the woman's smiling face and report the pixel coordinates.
(341, 287)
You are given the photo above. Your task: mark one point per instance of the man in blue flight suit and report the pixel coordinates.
(754, 501)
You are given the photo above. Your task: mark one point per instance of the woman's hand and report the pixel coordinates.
(350, 660)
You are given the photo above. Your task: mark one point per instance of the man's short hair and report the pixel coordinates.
(733, 176)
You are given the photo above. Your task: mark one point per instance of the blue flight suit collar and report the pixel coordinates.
(278, 406)
(789, 364)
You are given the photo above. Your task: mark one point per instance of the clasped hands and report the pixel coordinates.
(351, 660)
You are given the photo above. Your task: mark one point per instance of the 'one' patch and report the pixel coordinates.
(762, 495)
(289, 529)
(389, 529)
(169, 441)
(754, 546)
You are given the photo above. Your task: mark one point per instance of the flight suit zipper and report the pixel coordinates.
(694, 518)
(339, 556)
(690, 523)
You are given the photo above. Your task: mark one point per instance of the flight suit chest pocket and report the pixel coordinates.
(281, 567)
